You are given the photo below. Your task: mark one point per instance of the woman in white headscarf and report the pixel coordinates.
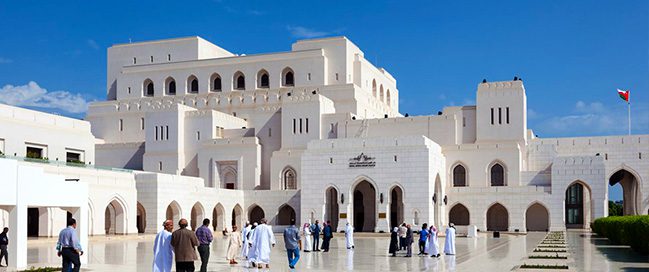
(308, 241)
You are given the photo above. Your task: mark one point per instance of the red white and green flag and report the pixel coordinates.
(623, 94)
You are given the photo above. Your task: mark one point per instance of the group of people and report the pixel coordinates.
(312, 236)
(402, 238)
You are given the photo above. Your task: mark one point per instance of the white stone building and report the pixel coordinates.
(191, 130)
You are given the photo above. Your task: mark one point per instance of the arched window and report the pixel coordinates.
(374, 87)
(216, 83)
(459, 176)
(170, 86)
(387, 96)
(262, 79)
(148, 88)
(381, 93)
(289, 179)
(497, 175)
(239, 81)
(288, 78)
(192, 84)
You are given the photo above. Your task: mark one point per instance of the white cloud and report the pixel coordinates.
(594, 118)
(5, 60)
(32, 95)
(303, 32)
(93, 44)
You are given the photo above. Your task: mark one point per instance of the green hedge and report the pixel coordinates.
(626, 230)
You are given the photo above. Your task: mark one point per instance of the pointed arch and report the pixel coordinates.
(388, 100)
(396, 205)
(216, 83)
(497, 217)
(255, 213)
(237, 216)
(460, 174)
(192, 84)
(170, 86)
(497, 173)
(173, 212)
(630, 181)
(289, 178)
(197, 215)
(141, 218)
(218, 217)
(331, 212)
(459, 215)
(374, 88)
(148, 89)
(284, 215)
(381, 93)
(578, 205)
(116, 216)
(263, 79)
(239, 81)
(288, 77)
(364, 196)
(537, 217)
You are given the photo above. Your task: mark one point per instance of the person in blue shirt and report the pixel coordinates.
(315, 229)
(423, 237)
(70, 248)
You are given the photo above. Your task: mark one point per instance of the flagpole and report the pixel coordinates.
(629, 110)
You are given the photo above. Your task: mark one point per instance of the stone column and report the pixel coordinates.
(18, 236)
(81, 215)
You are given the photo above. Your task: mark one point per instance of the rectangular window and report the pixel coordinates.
(151, 58)
(129, 90)
(121, 125)
(500, 115)
(492, 116)
(160, 166)
(156, 132)
(198, 135)
(142, 123)
(507, 114)
(300, 125)
(308, 76)
(307, 125)
(72, 157)
(134, 60)
(168, 57)
(336, 76)
(463, 121)
(167, 132)
(34, 152)
(395, 158)
(269, 133)
(293, 125)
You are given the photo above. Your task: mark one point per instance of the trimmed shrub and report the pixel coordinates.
(625, 230)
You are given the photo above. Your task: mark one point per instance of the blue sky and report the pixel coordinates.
(572, 55)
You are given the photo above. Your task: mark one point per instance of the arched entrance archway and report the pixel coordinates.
(173, 212)
(364, 207)
(537, 218)
(396, 207)
(459, 215)
(141, 218)
(331, 207)
(237, 211)
(197, 215)
(497, 218)
(255, 214)
(630, 190)
(437, 206)
(115, 218)
(285, 214)
(578, 205)
(218, 217)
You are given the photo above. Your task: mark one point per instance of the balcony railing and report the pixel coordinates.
(62, 163)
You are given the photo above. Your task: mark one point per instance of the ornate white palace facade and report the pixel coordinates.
(191, 130)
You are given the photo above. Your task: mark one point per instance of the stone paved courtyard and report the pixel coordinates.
(133, 253)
